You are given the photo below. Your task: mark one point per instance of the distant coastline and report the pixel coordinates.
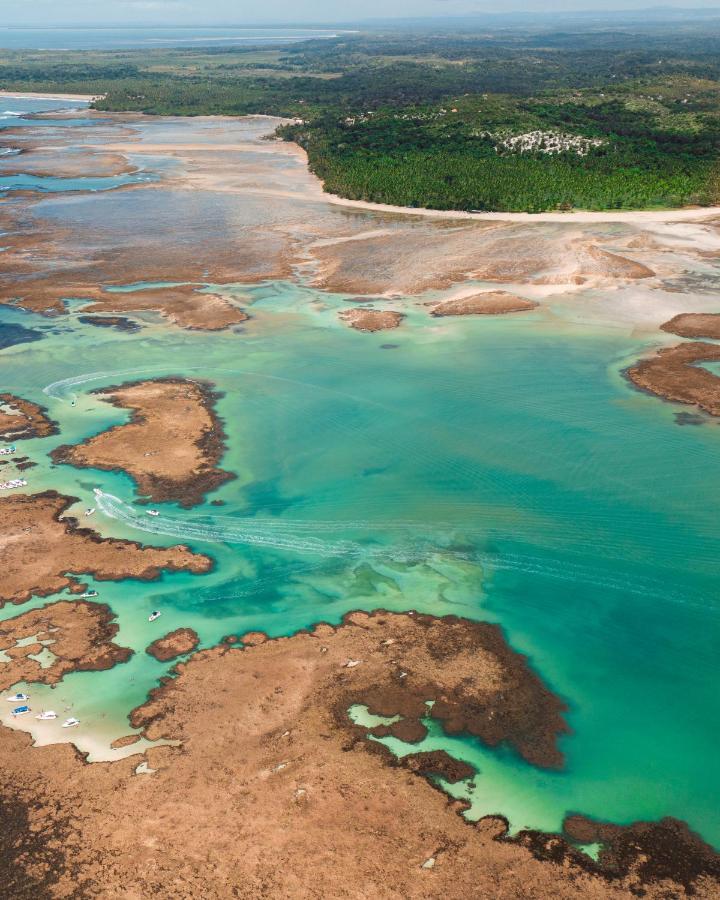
(36, 95)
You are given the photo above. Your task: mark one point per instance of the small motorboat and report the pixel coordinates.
(155, 614)
(7, 451)
(152, 512)
(46, 715)
(13, 483)
(18, 698)
(20, 711)
(71, 722)
(89, 512)
(89, 594)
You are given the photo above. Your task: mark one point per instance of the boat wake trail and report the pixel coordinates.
(63, 389)
(269, 534)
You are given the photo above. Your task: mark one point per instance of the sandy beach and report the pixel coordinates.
(34, 95)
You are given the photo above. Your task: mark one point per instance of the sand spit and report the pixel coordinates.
(42, 553)
(171, 446)
(694, 325)
(363, 319)
(21, 419)
(486, 303)
(126, 740)
(674, 374)
(34, 95)
(78, 634)
(276, 793)
(176, 643)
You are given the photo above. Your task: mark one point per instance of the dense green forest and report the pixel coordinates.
(515, 119)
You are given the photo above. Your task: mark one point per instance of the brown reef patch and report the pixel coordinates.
(183, 305)
(176, 643)
(23, 419)
(694, 325)
(275, 793)
(486, 303)
(170, 446)
(362, 319)
(75, 162)
(41, 554)
(673, 373)
(126, 740)
(79, 635)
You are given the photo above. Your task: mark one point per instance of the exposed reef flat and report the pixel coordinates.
(171, 446)
(183, 305)
(176, 643)
(674, 374)
(694, 325)
(73, 162)
(78, 635)
(485, 303)
(40, 553)
(371, 319)
(273, 776)
(21, 418)
(407, 260)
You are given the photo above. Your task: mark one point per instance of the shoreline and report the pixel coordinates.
(580, 216)
(39, 95)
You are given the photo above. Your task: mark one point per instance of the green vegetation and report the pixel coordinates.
(516, 120)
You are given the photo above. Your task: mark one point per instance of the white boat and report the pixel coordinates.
(152, 512)
(7, 451)
(89, 512)
(71, 722)
(18, 698)
(14, 483)
(155, 614)
(20, 711)
(88, 594)
(46, 715)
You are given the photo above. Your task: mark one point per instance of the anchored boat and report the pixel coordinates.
(20, 711)
(18, 698)
(46, 715)
(155, 614)
(71, 722)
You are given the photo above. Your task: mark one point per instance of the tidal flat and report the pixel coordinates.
(498, 468)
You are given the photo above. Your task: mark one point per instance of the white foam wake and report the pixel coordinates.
(272, 535)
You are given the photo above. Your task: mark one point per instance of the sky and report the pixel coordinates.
(245, 12)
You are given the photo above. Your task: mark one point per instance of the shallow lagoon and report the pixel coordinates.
(499, 469)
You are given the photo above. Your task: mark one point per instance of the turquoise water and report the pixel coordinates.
(49, 184)
(499, 469)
